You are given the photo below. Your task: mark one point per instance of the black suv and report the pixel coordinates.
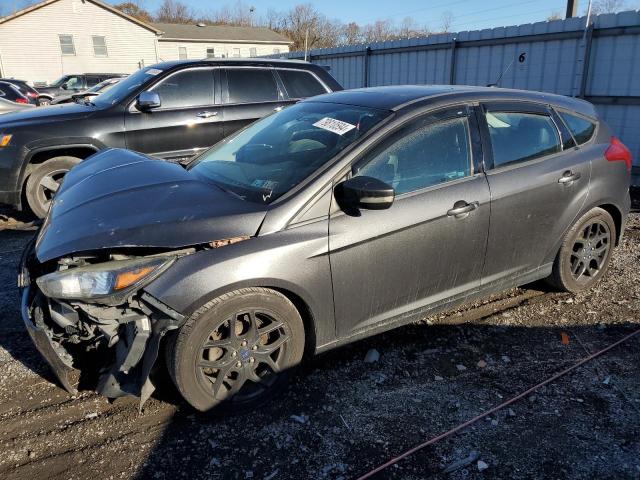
(172, 110)
(70, 84)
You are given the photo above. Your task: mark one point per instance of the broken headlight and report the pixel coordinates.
(102, 280)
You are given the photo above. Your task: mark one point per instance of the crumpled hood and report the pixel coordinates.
(119, 198)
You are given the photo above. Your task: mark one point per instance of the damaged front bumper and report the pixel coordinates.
(74, 335)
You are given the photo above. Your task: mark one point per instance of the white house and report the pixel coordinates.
(180, 41)
(57, 37)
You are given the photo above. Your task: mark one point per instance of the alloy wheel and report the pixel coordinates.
(48, 186)
(242, 356)
(590, 250)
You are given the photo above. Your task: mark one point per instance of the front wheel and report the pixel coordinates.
(44, 181)
(585, 253)
(237, 349)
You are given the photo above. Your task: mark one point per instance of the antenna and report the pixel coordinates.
(501, 75)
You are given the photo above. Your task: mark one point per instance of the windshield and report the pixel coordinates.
(59, 81)
(269, 158)
(123, 88)
(103, 86)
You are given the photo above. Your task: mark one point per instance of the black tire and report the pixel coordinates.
(44, 180)
(204, 348)
(585, 254)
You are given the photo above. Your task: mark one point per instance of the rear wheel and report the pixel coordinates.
(44, 181)
(586, 252)
(236, 350)
(44, 101)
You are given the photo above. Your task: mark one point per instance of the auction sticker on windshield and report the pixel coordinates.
(333, 125)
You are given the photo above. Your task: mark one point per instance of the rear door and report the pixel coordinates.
(249, 93)
(429, 246)
(539, 182)
(187, 121)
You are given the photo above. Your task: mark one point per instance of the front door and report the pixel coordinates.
(539, 182)
(188, 120)
(429, 246)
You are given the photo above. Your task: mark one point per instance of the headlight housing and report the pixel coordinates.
(117, 278)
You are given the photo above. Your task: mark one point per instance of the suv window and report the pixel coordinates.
(300, 84)
(188, 88)
(422, 154)
(75, 82)
(93, 80)
(251, 85)
(518, 137)
(581, 128)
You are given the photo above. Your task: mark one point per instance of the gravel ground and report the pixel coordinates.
(342, 416)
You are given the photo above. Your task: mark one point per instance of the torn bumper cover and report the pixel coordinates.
(123, 340)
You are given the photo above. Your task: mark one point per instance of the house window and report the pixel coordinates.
(99, 46)
(253, 52)
(182, 53)
(66, 45)
(276, 51)
(236, 52)
(211, 52)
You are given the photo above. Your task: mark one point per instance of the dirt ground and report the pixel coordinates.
(342, 417)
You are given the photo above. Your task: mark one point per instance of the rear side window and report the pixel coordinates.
(188, 88)
(301, 84)
(251, 85)
(518, 137)
(581, 128)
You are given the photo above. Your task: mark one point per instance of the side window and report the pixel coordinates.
(422, 154)
(301, 84)
(581, 128)
(66, 45)
(251, 85)
(93, 81)
(211, 52)
(518, 137)
(188, 88)
(75, 82)
(182, 53)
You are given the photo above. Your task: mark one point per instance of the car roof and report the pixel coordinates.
(273, 62)
(397, 97)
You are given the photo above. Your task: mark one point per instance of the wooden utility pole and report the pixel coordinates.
(572, 8)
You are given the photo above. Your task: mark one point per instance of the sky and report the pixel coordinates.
(467, 14)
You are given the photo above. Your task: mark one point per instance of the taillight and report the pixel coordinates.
(618, 151)
(21, 100)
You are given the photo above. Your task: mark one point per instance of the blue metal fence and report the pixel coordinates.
(600, 63)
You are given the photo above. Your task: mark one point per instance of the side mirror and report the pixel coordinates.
(148, 101)
(365, 192)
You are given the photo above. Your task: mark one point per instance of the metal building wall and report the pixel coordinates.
(547, 56)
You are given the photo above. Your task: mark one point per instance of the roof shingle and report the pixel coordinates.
(219, 33)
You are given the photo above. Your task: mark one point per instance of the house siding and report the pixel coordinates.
(168, 49)
(30, 46)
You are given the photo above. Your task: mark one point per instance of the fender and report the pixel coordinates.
(51, 144)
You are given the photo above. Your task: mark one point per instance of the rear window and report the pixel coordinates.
(300, 84)
(518, 137)
(581, 128)
(251, 85)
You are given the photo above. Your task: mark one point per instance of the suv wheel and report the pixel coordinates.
(236, 350)
(586, 252)
(44, 101)
(44, 181)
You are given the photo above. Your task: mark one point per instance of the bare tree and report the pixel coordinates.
(446, 21)
(554, 16)
(379, 31)
(409, 28)
(351, 34)
(607, 6)
(134, 10)
(174, 11)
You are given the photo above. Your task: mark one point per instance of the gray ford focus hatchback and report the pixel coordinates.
(334, 219)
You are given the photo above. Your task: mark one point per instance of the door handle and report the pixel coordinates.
(461, 209)
(206, 114)
(568, 177)
(277, 109)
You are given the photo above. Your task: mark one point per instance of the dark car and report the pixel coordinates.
(24, 88)
(88, 93)
(337, 218)
(12, 93)
(69, 84)
(171, 110)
